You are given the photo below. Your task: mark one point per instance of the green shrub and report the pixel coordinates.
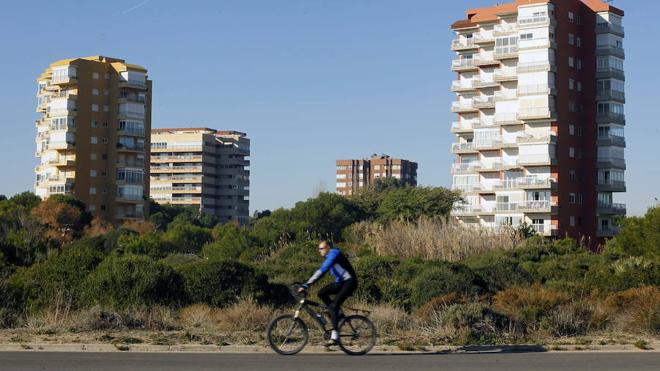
(473, 323)
(373, 273)
(639, 236)
(623, 274)
(150, 243)
(498, 270)
(63, 275)
(220, 283)
(443, 279)
(132, 280)
(187, 238)
(176, 261)
(528, 306)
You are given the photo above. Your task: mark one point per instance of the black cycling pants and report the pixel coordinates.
(341, 291)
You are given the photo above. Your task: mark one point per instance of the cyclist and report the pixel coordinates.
(343, 287)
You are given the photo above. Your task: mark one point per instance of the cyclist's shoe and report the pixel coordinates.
(331, 343)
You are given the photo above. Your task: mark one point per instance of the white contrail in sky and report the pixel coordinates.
(135, 7)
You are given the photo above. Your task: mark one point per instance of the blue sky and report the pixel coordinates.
(310, 81)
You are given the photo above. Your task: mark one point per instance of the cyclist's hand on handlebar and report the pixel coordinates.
(301, 290)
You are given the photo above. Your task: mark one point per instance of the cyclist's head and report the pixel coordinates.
(324, 247)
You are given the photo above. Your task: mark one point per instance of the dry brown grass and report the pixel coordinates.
(246, 315)
(432, 239)
(636, 309)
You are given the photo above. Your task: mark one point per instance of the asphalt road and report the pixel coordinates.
(192, 361)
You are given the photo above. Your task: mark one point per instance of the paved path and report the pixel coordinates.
(309, 362)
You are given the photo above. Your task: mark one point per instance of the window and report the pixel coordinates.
(579, 64)
(93, 124)
(571, 39)
(105, 140)
(571, 152)
(571, 129)
(107, 77)
(578, 42)
(572, 107)
(571, 17)
(571, 198)
(92, 191)
(92, 173)
(527, 36)
(572, 221)
(94, 140)
(92, 156)
(571, 62)
(571, 175)
(579, 200)
(571, 84)
(579, 86)
(95, 75)
(95, 107)
(106, 92)
(579, 131)
(91, 208)
(106, 108)
(95, 91)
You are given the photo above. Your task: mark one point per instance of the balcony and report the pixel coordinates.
(484, 37)
(610, 118)
(611, 95)
(133, 84)
(503, 95)
(129, 198)
(186, 201)
(484, 82)
(464, 44)
(505, 29)
(604, 27)
(535, 21)
(465, 167)
(506, 74)
(463, 64)
(543, 139)
(485, 59)
(506, 52)
(611, 208)
(507, 118)
(537, 44)
(180, 158)
(61, 145)
(611, 163)
(491, 143)
(130, 147)
(529, 206)
(609, 185)
(62, 162)
(536, 66)
(175, 169)
(611, 140)
(528, 182)
(130, 215)
(466, 147)
(614, 50)
(483, 101)
(462, 85)
(131, 132)
(463, 126)
(123, 115)
(463, 106)
(536, 89)
(495, 165)
(63, 80)
(610, 73)
(536, 160)
(177, 148)
(535, 113)
(609, 231)
(544, 230)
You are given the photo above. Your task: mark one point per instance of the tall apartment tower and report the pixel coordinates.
(355, 174)
(540, 122)
(91, 139)
(202, 167)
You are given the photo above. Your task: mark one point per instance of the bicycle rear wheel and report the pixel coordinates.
(287, 335)
(357, 335)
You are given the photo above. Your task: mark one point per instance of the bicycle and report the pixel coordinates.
(288, 334)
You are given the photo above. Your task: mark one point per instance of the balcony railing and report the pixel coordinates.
(539, 20)
(465, 105)
(535, 89)
(506, 95)
(493, 142)
(484, 37)
(610, 117)
(610, 72)
(466, 166)
(529, 205)
(531, 113)
(463, 44)
(462, 125)
(459, 147)
(524, 182)
(174, 147)
(604, 95)
(483, 101)
(610, 27)
(614, 50)
(611, 140)
(130, 147)
(611, 208)
(463, 63)
(459, 85)
(505, 74)
(504, 29)
(503, 52)
(535, 160)
(507, 118)
(535, 66)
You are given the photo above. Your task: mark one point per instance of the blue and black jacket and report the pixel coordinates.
(338, 265)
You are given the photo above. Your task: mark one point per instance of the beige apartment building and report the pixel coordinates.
(352, 175)
(91, 139)
(539, 130)
(202, 167)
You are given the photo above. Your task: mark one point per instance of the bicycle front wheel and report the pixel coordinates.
(287, 335)
(357, 335)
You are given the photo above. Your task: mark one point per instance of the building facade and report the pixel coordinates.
(352, 175)
(540, 120)
(202, 167)
(91, 139)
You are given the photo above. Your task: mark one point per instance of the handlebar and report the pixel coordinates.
(294, 290)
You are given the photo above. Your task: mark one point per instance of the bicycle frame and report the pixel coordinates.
(305, 305)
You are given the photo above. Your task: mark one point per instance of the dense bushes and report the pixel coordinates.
(445, 278)
(122, 281)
